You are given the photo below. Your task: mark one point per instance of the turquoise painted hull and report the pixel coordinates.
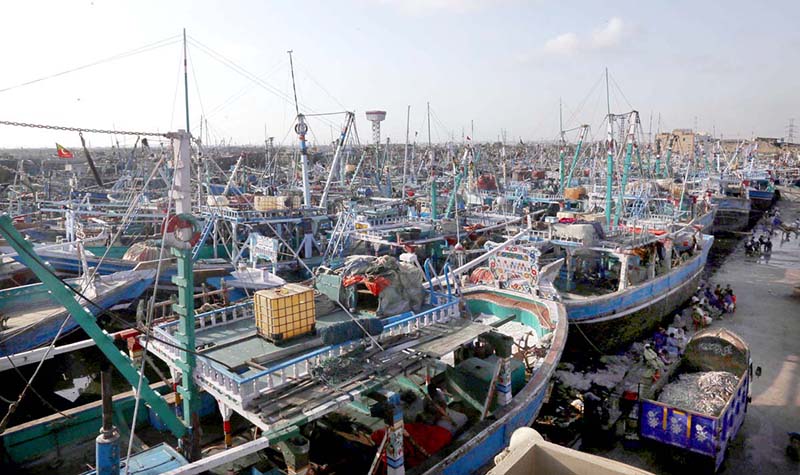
(487, 439)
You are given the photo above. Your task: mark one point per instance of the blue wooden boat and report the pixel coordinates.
(733, 213)
(620, 316)
(279, 384)
(760, 190)
(63, 258)
(486, 440)
(31, 319)
(617, 286)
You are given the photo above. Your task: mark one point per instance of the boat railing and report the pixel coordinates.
(242, 390)
(550, 197)
(247, 215)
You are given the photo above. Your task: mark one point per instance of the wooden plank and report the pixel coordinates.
(492, 390)
(448, 343)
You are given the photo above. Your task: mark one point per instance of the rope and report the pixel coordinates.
(13, 407)
(132, 207)
(148, 327)
(374, 341)
(142, 49)
(35, 392)
(587, 339)
(79, 129)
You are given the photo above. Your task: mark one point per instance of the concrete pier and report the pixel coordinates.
(768, 319)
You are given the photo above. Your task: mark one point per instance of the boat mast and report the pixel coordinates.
(301, 128)
(405, 153)
(186, 82)
(609, 157)
(561, 150)
(431, 176)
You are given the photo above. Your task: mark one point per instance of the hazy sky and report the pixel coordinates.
(726, 65)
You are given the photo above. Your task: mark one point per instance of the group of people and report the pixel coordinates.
(709, 304)
(666, 347)
(755, 247)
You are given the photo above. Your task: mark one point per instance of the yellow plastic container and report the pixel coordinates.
(269, 203)
(285, 312)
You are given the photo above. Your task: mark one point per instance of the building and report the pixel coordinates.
(686, 142)
(766, 146)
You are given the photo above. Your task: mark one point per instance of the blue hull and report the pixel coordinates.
(43, 332)
(761, 200)
(613, 320)
(489, 438)
(72, 265)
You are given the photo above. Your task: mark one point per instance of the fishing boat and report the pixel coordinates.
(381, 342)
(760, 189)
(733, 206)
(618, 285)
(31, 319)
(789, 192)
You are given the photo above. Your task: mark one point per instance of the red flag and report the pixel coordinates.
(62, 152)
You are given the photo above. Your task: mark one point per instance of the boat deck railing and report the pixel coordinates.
(243, 389)
(253, 216)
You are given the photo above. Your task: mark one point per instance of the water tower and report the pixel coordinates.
(376, 117)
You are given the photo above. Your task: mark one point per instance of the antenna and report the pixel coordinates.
(429, 125)
(186, 82)
(608, 95)
(294, 88)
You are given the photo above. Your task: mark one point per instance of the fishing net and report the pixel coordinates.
(705, 392)
(337, 370)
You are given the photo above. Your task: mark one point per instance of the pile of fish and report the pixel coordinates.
(705, 392)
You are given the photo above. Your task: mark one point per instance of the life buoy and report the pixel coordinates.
(174, 222)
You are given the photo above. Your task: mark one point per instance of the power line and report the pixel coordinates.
(142, 49)
(229, 63)
(790, 129)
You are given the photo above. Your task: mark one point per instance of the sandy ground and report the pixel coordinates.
(768, 318)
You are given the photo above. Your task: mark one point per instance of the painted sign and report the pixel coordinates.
(515, 268)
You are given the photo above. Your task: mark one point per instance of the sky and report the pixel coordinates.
(488, 67)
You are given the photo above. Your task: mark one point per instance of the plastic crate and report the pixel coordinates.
(285, 312)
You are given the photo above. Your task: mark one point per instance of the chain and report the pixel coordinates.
(80, 129)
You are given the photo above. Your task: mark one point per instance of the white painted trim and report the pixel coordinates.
(221, 458)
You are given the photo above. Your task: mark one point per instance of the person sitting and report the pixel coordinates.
(675, 342)
(700, 318)
(653, 363)
(660, 339)
(728, 303)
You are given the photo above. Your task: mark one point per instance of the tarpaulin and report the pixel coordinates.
(377, 284)
(374, 284)
(430, 437)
